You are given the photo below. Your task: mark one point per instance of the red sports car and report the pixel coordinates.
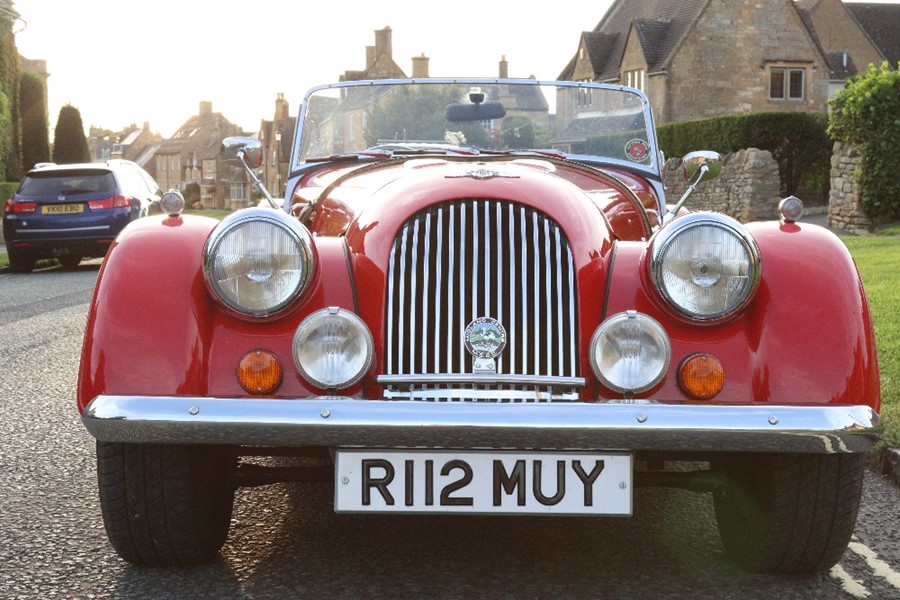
(476, 298)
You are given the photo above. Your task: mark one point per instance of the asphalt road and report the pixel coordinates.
(286, 541)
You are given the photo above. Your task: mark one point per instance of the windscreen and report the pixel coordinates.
(504, 116)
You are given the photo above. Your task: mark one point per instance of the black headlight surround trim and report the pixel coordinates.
(287, 223)
(669, 233)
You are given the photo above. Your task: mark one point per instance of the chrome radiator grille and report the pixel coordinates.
(475, 258)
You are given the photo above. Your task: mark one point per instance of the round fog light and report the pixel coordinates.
(630, 352)
(333, 348)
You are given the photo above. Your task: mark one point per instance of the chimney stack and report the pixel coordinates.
(420, 67)
(504, 68)
(282, 108)
(383, 44)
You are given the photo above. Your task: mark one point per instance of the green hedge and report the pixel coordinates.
(798, 141)
(865, 113)
(7, 189)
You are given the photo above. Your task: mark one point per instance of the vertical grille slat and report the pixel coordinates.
(475, 258)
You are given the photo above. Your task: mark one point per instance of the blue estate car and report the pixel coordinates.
(74, 211)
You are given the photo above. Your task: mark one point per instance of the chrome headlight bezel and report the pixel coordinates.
(295, 251)
(342, 334)
(717, 249)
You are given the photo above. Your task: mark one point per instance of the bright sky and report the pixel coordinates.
(121, 62)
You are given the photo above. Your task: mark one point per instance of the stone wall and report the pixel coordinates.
(844, 209)
(748, 188)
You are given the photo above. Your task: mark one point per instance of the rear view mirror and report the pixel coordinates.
(482, 111)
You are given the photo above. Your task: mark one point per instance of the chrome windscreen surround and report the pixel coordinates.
(258, 261)
(705, 266)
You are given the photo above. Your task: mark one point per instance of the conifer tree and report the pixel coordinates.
(35, 130)
(69, 143)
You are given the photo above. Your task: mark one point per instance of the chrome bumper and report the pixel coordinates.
(351, 422)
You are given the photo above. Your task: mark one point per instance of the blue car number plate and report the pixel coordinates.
(483, 482)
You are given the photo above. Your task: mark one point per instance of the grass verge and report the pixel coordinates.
(878, 261)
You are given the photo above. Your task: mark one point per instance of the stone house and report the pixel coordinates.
(127, 144)
(277, 138)
(853, 35)
(191, 155)
(705, 58)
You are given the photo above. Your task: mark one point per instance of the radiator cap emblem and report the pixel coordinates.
(485, 338)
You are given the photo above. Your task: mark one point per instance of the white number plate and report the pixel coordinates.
(564, 483)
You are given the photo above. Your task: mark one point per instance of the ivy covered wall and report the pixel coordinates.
(10, 135)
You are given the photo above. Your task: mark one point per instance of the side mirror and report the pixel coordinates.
(248, 152)
(694, 162)
(243, 149)
(702, 165)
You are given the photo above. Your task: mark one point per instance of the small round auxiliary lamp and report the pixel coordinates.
(790, 209)
(172, 203)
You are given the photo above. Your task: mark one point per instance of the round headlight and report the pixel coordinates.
(705, 266)
(258, 261)
(630, 352)
(333, 348)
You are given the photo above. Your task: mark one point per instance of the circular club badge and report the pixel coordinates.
(637, 150)
(485, 337)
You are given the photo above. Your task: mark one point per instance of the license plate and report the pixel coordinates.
(488, 482)
(61, 209)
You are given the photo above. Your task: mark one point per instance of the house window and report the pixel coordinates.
(237, 192)
(636, 79)
(786, 83)
(209, 169)
(584, 97)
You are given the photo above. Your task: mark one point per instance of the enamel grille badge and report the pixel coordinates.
(485, 340)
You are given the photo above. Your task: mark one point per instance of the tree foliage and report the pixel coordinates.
(10, 149)
(69, 143)
(5, 126)
(35, 130)
(416, 114)
(867, 113)
(517, 132)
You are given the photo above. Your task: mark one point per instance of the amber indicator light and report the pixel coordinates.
(259, 372)
(701, 376)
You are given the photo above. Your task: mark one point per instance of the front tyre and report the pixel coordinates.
(788, 513)
(166, 505)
